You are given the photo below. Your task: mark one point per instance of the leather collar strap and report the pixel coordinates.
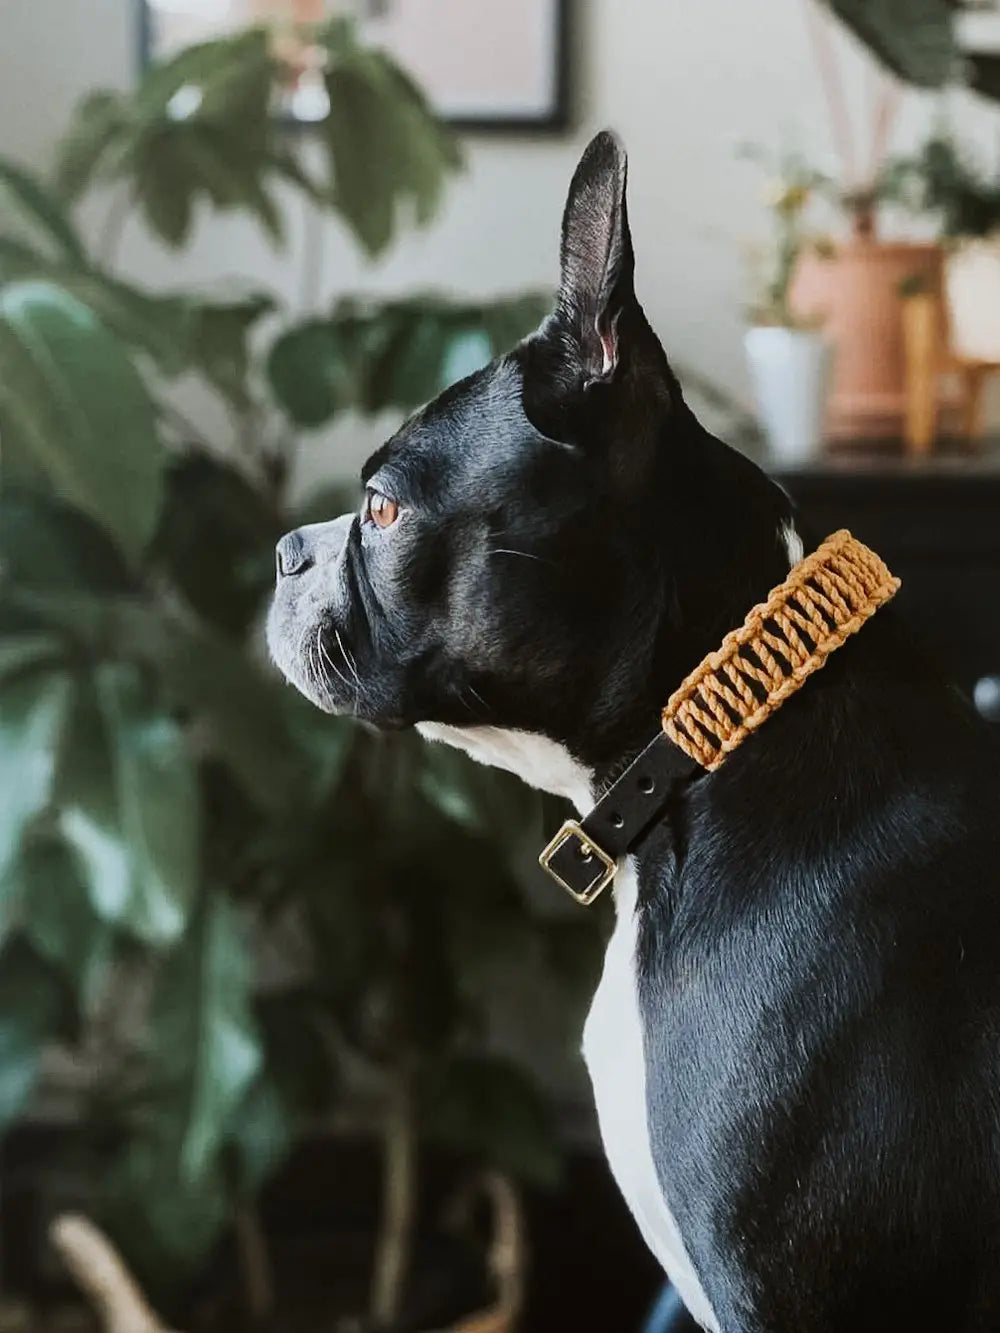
(826, 598)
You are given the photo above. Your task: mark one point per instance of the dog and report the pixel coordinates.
(795, 1043)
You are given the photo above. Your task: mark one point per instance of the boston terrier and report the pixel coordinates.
(795, 1043)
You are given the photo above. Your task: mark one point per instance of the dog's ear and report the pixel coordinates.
(596, 256)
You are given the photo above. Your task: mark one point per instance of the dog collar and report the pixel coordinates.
(826, 598)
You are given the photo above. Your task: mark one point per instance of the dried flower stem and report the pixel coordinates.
(887, 103)
(833, 88)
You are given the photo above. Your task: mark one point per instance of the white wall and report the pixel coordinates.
(684, 81)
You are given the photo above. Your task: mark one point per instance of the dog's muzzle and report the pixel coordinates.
(308, 601)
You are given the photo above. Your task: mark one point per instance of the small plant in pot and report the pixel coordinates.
(857, 281)
(787, 355)
(944, 181)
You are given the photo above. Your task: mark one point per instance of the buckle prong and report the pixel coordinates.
(572, 830)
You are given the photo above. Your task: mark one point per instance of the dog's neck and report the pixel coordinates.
(578, 772)
(538, 760)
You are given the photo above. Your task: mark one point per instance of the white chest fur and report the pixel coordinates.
(612, 1048)
(612, 1039)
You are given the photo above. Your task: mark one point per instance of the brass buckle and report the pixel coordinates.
(571, 829)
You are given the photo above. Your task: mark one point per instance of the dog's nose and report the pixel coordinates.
(292, 555)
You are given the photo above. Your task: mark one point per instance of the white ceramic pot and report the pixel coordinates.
(972, 284)
(790, 372)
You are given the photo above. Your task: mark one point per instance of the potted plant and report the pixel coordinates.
(946, 183)
(249, 924)
(787, 354)
(856, 281)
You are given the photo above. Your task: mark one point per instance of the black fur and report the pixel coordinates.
(819, 964)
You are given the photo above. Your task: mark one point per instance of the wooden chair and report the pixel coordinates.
(930, 361)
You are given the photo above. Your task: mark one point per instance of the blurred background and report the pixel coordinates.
(289, 1020)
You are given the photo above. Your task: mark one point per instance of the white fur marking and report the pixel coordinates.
(613, 1050)
(612, 1036)
(793, 543)
(538, 761)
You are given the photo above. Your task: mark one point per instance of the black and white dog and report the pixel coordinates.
(795, 1045)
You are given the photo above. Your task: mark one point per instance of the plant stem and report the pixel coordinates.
(394, 1242)
(114, 225)
(886, 107)
(255, 1264)
(833, 88)
(312, 256)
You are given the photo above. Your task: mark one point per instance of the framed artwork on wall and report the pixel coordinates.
(484, 64)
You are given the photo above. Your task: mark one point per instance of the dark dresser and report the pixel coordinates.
(936, 523)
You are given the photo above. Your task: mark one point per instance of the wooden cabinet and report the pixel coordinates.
(937, 525)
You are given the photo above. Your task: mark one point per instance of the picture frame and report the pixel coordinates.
(486, 66)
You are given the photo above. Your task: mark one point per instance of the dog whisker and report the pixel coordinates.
(525, 555)
(328, 661)
(470, 689)
(348, 658)
(353, 667)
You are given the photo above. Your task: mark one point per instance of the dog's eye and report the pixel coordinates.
(380, 510)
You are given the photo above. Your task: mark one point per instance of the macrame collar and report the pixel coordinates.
(826, 598)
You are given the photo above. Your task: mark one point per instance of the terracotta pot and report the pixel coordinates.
(856, 292)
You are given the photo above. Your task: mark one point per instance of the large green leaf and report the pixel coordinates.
(47, 545)
(33, 711)
(216, 539)
(385, 145)
(240, 708)
(59, 920)
(33, 1010)
(162, 1219)
(162, 186)
(158, 803)
(244, 715)
(197, 128)
(162, 327)
(308, 373)
(396, 354)
(428, 149)
(261, 1131)
(72, 401)
(205, 1045)
(914, 38)
(219, 342)
(25, 652)
(38, 210)
(231, 74)
(410, 367)
(19, 259)
(187, 161)
(507, 321)
(129, 807)
(96, 128)
(179, 331)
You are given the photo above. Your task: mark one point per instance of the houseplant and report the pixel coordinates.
(917, 43)
(945, 182)
(787, 354)
(243, 918)
(856, 282)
